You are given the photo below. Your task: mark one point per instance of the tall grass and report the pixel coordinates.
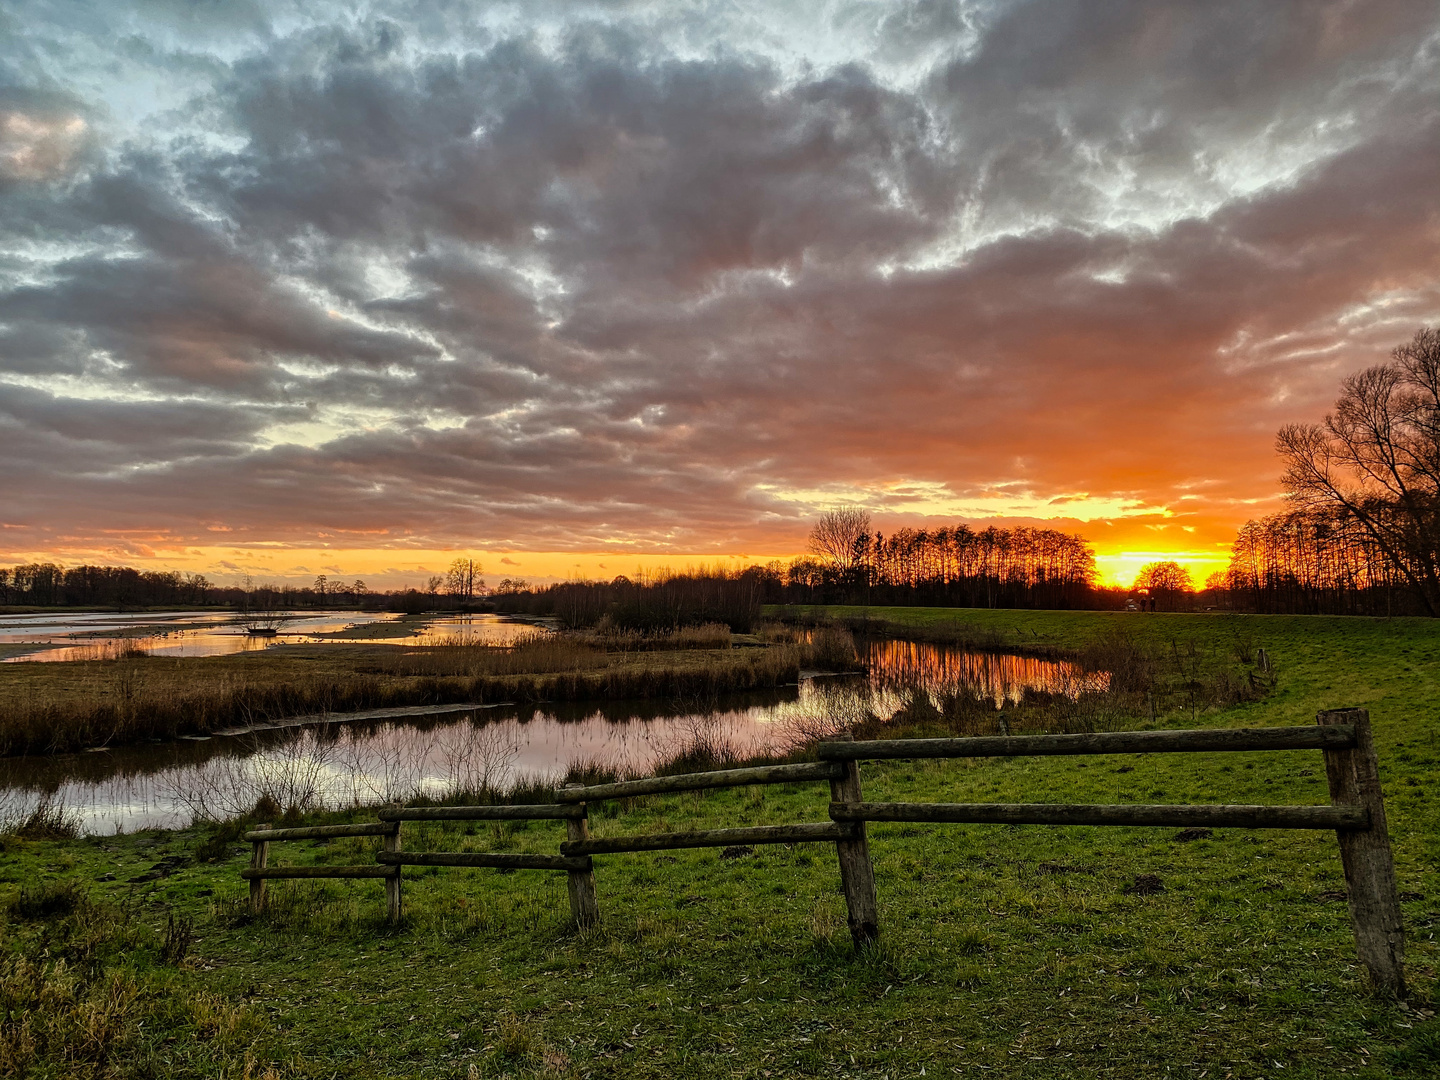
(74, 1002)
(127, 701)
(49, 820)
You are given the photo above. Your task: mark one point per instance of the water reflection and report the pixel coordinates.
(343, 764)
(998, 677)
(475, 629)
(365, 762)
(105, 636)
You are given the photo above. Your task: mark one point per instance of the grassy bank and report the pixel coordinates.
(47, 707)
(1018, 952)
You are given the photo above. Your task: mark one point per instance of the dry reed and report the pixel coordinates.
(67, 707)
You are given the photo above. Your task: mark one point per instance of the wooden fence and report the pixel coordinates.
(1356, 814)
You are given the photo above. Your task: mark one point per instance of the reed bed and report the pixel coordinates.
(47, 708)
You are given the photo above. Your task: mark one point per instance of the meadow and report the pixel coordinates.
(1011, 951)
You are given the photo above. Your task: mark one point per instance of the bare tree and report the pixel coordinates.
(463, 578)
(1377, 458)
(842, 536)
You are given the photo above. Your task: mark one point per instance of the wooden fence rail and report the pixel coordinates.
(1233, 817)
(1205, 740)
(663, 785)
(820, 832)
(1356, 814)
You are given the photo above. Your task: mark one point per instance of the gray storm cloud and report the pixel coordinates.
(651, 273)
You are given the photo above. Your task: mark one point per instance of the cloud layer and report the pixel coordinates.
(670, 277)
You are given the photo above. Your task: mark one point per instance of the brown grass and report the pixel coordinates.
(66, 707)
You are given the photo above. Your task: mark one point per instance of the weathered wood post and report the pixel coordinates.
(392, 882)
(584, 905)
(259, 856)
(1354, 777)
(857, 874)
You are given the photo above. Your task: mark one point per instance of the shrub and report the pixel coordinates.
(48, 900)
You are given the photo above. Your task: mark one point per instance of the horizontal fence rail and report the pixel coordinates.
(664, 785)
(820, 832)
(1356, 814)
(265, 873)
(535, 812)
(321, 832)
(1234, 817)
(1104, 742)
(503, 860)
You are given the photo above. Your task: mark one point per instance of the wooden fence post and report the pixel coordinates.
(392, 883)
(584, 906)
(1365, 853)
(857, 874)
(259, 856)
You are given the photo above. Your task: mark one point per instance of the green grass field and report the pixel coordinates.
(1007, 951)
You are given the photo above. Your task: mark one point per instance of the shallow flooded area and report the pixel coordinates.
(339, 761)
(49, 638)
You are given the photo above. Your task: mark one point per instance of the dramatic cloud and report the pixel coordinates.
(670, 277)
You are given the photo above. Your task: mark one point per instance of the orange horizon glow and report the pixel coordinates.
(386, 569)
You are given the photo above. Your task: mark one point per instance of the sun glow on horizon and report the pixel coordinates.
(402, 568)
(1120, 568)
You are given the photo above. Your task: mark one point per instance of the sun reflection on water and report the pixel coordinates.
(1003, 678)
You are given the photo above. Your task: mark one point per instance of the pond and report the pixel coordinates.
(97, 636)
(340, 763)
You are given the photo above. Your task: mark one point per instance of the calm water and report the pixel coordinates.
(91, 636)
(340, 764)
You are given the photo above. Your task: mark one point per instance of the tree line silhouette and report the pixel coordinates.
(952, 566)
(1311, 561)
(53, 585)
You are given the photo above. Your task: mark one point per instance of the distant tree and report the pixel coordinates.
(434, 584)
(197, 586)
(1166, 581)
(1377, 458)
(322, 586)
(515, 585)
(463, 579)
(842, 536)
(1164, 577)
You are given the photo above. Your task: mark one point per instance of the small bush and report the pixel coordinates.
(972, 942)
(48, 900)
(49, 821)
(215, 845)
(515, 1040)
(832, 648)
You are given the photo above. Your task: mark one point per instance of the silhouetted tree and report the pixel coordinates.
(1167, 581)
(1376, 458)
(843, 536)
(463, 578)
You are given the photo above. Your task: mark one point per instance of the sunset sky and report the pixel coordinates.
(300, 288)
